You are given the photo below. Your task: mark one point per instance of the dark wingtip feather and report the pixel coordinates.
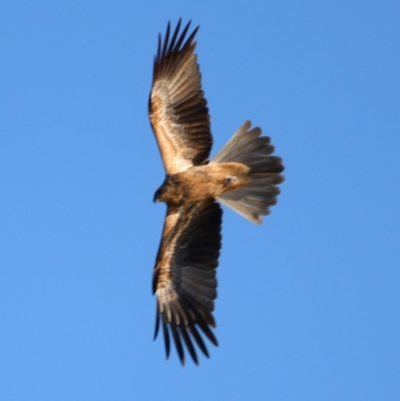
(158, 49)
(176, 32)
(189, 344)
(191, 37)
(178, 344)
(182, 37)
(208, 333)
(157, 323)
(166, 339)
(167, 46)
(166, 39)
(199, 341)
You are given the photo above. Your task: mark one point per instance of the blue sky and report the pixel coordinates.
(309, 303)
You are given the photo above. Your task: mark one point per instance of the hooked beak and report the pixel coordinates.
(156, 197)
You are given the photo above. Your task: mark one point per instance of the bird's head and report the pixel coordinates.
(158, 195)
(161, 195)
(170, 191)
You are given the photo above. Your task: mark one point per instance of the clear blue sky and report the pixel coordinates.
(309, 303)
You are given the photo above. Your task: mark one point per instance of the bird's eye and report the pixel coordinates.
(228, 181)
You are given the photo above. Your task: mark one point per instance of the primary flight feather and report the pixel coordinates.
(244, 176)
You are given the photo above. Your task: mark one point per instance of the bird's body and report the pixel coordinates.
(244, 176)
(200, 183)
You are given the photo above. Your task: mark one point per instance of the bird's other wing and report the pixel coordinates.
(184, 277)
(177, 108)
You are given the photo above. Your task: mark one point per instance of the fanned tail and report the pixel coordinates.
(248, 147)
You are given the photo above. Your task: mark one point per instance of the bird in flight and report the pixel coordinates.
(243, 176)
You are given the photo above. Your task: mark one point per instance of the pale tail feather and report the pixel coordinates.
(247, 146)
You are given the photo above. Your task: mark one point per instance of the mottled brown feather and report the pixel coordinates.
(178, 111)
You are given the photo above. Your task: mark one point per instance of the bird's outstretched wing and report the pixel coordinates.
(177, 108)
(184, 277)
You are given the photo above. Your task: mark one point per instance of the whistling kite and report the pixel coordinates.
(243, 175)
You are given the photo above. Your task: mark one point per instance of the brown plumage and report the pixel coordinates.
(244, 176)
